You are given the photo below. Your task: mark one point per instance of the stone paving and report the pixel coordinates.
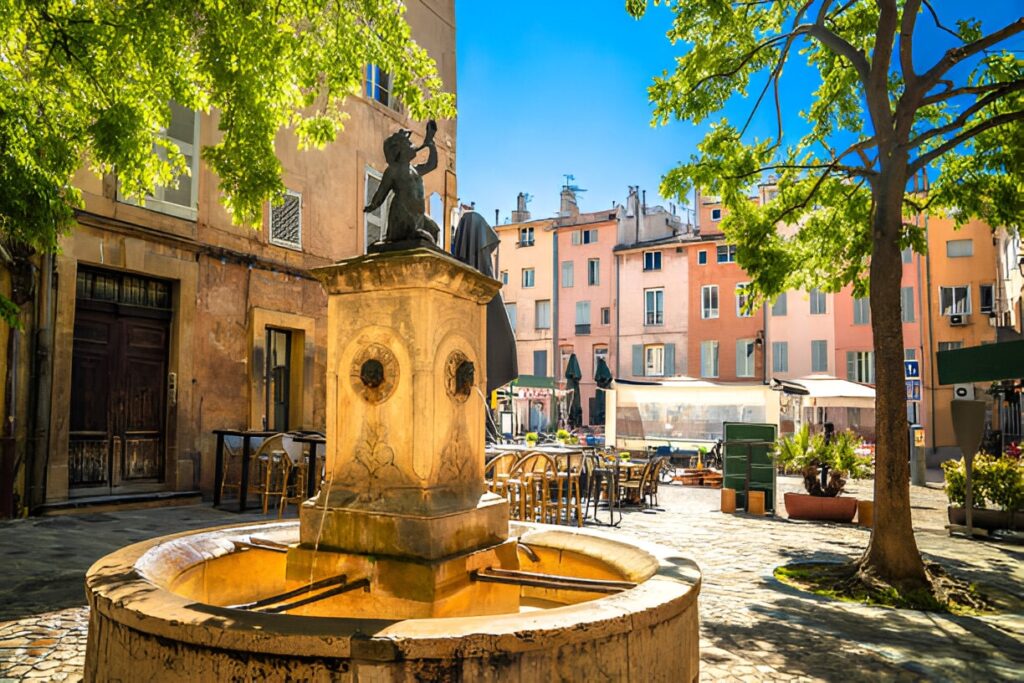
(752, 627)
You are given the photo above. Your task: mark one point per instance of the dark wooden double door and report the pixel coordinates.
(118, 400)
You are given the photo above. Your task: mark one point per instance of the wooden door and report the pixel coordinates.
(118, 390)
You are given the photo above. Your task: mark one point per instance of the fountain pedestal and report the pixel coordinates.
(405, 503)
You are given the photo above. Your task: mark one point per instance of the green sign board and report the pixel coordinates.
(747, 462)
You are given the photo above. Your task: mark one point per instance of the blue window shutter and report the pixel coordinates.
(638, 360)
(851, 366)
(670, 360)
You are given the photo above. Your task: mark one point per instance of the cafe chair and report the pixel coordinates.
(541, 498)
(496, 473)
(267, 461)
(569, 472)
(293, 475)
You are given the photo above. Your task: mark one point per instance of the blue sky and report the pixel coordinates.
(549, 88)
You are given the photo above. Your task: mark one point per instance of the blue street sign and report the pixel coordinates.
(913, 390)
(911, 369)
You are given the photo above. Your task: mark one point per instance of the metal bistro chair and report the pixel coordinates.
(602, 478)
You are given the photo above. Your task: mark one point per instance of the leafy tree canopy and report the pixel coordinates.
(877, 116)
(88, 82)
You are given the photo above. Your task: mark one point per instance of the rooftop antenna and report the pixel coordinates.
(568, 183)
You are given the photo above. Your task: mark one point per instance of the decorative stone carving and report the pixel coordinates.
(374, 373)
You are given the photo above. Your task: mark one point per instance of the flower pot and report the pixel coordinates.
(866, 513)
(984, 518)
(820, 508)
(728, 500)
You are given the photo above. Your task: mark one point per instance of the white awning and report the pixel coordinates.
(832, 392)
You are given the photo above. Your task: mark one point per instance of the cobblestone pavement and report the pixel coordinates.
(752, 627)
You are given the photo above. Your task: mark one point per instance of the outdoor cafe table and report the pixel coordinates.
(218, 473)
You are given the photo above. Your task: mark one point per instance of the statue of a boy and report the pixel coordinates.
(407, 220)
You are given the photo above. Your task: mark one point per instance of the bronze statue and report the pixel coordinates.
(408, 224)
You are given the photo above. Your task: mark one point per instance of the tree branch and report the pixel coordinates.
(938, 24)
(960, 120)
(950, 92)
(910, 11)
(965, 135)
(835, 43)
(956, 55)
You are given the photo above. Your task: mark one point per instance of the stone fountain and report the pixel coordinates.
(404, 567)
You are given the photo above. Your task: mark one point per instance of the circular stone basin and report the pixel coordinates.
(160, 610)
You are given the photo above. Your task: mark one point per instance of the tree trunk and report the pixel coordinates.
(892, 553)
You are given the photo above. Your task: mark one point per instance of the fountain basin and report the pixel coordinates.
(160, 610)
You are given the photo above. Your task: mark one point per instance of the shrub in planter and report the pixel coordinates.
(531, 439)
(825, 466)
(997, 482)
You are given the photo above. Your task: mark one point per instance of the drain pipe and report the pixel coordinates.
(43, 386)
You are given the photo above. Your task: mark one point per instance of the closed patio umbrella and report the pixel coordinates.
(574, 375)
(603, 378)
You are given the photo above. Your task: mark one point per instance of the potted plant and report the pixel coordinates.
(531, 439)
(996, 481)
(825, 466)
(563, 436)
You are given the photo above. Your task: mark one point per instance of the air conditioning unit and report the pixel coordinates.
(958, 319)
(963, 392)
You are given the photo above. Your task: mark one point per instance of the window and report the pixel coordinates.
(780, 356)
(504, 277)
(582, 317)
(986, 296)
(818, 302)
(286, 221)
(584, 236)
(819, 355)
(959, 248)
(654, 306)
(861, 311)
(528, 277)
(860, 366)
(593, 271)
(950, 346)
(375, 223)
(567, 273)
(526, 237)
(702, 257)
(726, 253)
(654, 360)
(709, 301)
(779, 307)
(652, 260)
(540, 363)
(716, 214)
(180, 197)
(600, 353)
(742, 297)
(542, 320)
(955, 300)
(378, 86)
(909, 354)
(744, 357)
(907, 255)
(709, 359)
(606, 316)
(907, 304)
(511, 310)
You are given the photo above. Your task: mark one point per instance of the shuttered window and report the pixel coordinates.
(286, 222)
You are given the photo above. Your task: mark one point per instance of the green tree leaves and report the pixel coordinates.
(90, 81)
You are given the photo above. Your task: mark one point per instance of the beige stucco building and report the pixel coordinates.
(170, 321)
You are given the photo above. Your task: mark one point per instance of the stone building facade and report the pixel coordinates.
(160, 323)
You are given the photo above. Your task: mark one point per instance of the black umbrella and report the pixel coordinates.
(574, 375)
(603, 377)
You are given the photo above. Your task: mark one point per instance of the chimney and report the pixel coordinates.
(568, 208)
(520, 215)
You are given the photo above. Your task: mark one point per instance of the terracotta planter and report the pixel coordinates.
(987, 519)
(820, 508)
